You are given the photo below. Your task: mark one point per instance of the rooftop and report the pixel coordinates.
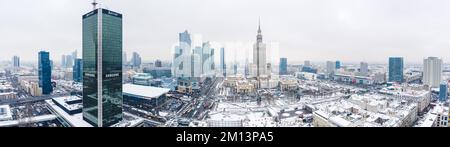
(144, 91)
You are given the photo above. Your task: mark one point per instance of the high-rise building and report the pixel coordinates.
(307, 63)
(443, 92)
(158, 63)
(185, 37)
(136, 60)
(396, 69)
(207, 56)
(331, 67)
(78, 70)
(102, 67)
(124, 58)
(45, 72)
(69, 61)
(283, 66)
(432, 71)
(259, 54)
(235, 67)
(364, 69)
(223, 67)
(74, 56)
(338, 64)
(63, 61)
(16, 61)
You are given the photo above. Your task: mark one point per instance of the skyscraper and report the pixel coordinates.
(331, 67)
(338, 64)
(259, 55)
(207, 59)
(396, 69)
(124, 58)
(443, 92)
(45, 72)
(223, 67)
(136, 60)
(307, 63)
(69, 61)
(74, 56)
(185, 37)
(432, 71)
(158, 63)
(102, 67)
(16, 61)
(63, 61)
(364, 68)
(78, 70)
(283, 66)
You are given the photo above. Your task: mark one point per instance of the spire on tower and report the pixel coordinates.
(259, 25)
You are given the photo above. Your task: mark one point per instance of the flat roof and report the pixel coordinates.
(144, 91)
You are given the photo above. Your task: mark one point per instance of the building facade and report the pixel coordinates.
(283, 66)
(45, 72)
(102, 67)
(432, 71)
(396, 69)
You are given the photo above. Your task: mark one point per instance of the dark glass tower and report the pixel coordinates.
(45, 72)
(78, 70)
(396, 69)
(283, 66)
(102, 67)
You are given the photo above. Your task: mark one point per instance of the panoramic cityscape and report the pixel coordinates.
(210, 82)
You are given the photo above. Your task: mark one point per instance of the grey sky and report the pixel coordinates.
(317, 30)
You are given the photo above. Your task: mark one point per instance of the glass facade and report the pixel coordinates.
(45, 72)
(396, 69)
(77, 70)
(283, 66)
(102, 67)
(443, 92)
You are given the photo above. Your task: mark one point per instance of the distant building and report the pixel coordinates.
(158, 63)
(78, 70)
(16, 61)
(364, 69)
(432, 71)
(331, 67)
(443, 92)
(259, 55)
(396, 69)
(309, 69)
(283, 66)
(142, 79)
(223, 66)
(124, 59)
(136, 60)
(45, 72)
(307, 63)
(159, 72)
(185, 37)
(338, 64)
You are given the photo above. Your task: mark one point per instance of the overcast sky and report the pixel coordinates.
(317, 30)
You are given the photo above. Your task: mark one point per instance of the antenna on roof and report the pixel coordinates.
(94, 4)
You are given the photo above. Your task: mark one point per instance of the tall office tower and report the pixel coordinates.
(364, 69)
(443, 92)
(102, 67)
(283, 66)
(181, 64)
(16, 61)
(158, 63)
(259, 54)
(45, 72)
(395, 69)
(331, 67)
(235, 67)
(78, 70)
(136, 60)
(223, 67)
(307, 63)
(208, 65)
(63, 61)
(338, 64)
(432, 71)
(69, 61)
(74, 56)
(124, 58)
(185, 37)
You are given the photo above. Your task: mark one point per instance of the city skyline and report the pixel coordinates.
(370, 30)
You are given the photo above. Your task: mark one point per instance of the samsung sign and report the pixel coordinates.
(112, 13)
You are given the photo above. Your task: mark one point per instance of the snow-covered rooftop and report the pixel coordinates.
(144, 91)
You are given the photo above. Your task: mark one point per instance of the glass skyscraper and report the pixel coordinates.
(45, 72)
(443, 92)
(283, 66)
(396, 69)
(222, 62)
(338, 64)
(102, 67)
(78, 70)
